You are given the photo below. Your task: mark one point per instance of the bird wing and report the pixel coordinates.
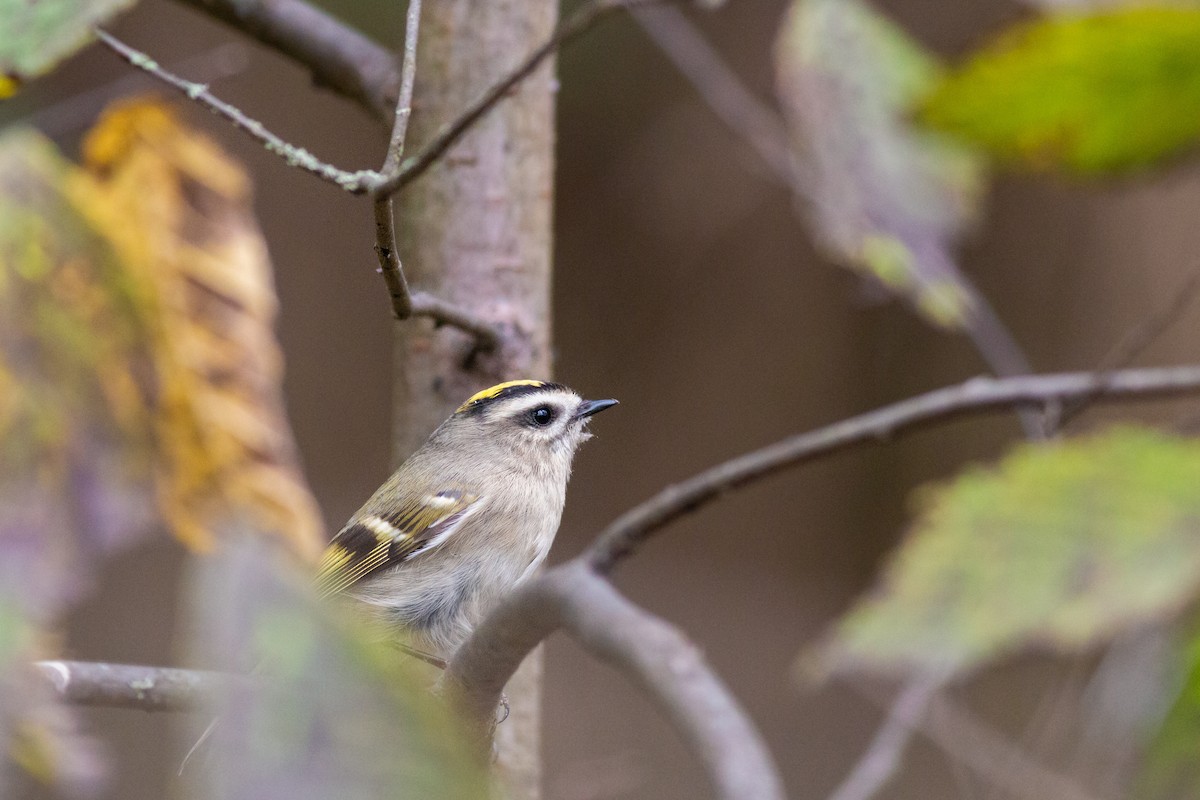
(371, 542)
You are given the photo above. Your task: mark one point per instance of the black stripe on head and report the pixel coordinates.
(490, 397)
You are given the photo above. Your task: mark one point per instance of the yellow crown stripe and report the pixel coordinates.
(491, 392)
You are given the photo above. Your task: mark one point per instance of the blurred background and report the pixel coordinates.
(687, 287)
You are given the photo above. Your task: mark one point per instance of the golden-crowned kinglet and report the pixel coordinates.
(467, 517)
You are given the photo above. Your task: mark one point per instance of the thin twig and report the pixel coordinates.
(408, 76)
(989, 753)
(648, 651)
(389, 259)
(880, 761)
(88, 683)
(1134, 343)
(385, 218)
(340, 58)
(622, 537)
(574, 26)
(79, 111)
(353, 182)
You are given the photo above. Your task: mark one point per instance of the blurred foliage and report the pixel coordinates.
(137, 364)
(885, 198)
(38, 35)
(74, 435)
(333, 712)
(179, 213)
(1171, 769)
(1061, 545)
(1106, 92)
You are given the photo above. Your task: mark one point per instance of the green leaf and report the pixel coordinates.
(1107, 92)
(1061, 545)
(40, 33)
(333, 713)
(884, 198)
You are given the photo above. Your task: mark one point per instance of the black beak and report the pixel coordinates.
(590, 407)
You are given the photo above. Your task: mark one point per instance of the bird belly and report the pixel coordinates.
(437, 598)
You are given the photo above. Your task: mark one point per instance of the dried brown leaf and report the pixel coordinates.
(179, 213)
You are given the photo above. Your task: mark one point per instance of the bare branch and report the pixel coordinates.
(574, 26)
(403, 304)
(354, 182)
(89, 683)
(650, 652)
(880, 761)
(978, 395)
(339, 57)
(385, 218)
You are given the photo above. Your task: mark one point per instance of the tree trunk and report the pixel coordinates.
(476, 230)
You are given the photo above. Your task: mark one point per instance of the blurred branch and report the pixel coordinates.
(574, 26)
(354, 182)
(989, 753)
(339, 57)
(881, 760)
(977, 395)
(651, 653)
(743, 113)
(764, 130)
(88, 683)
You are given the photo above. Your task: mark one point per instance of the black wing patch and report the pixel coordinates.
(371, 542)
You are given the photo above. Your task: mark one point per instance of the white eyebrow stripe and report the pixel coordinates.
(531, 401)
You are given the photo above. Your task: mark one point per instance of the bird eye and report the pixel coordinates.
(542, 416)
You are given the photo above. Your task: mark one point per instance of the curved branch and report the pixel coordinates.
(622, 537)
(339, 57)
(650, 652)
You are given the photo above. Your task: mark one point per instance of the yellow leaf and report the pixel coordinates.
(178, 211)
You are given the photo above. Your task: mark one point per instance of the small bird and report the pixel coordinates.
(468, 517)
